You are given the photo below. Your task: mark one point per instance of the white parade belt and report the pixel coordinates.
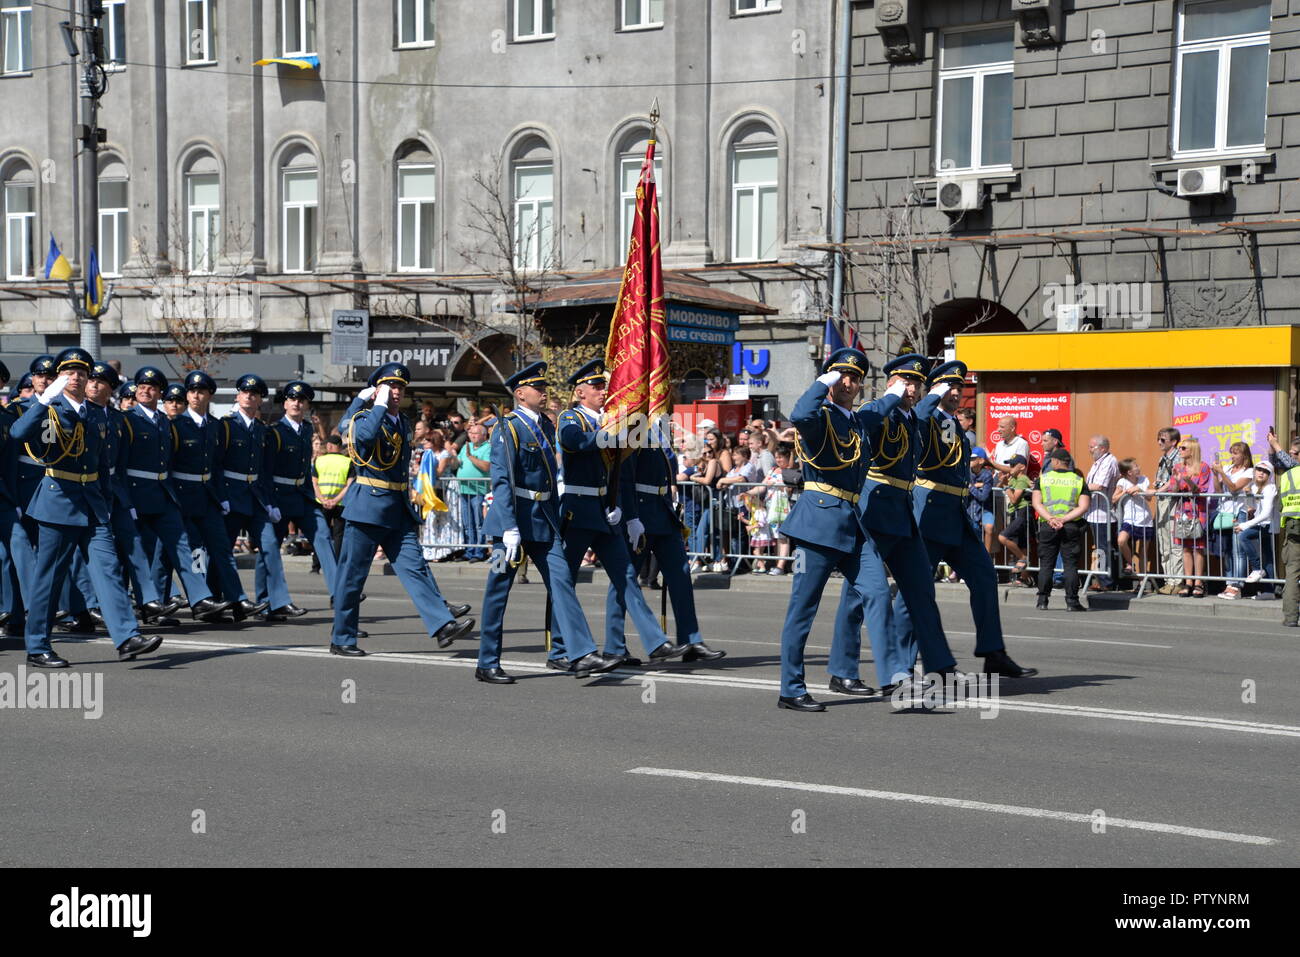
(281, 480)
(241, 476)
(584, 490)
(138, 473)
(653, 489)
(191, 477)
(530, 494)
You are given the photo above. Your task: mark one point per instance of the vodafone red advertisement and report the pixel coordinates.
(1034, 412)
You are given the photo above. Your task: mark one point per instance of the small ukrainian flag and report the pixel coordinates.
(56, 265)
(311, 62)
(94, 286)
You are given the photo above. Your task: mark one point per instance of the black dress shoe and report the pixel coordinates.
(15, 631)
(493, 676)
(290, 611)
(1000, 663)
(559, 664)
(4, 618)
(246, 609)
(453, 630)
(702, 652)
(853, 686)
(668, 651)
(139, 645)
(97, 617)
(593, 664)
(1074, 606)
(167, 623)
(362, 634)
(459, 611)
(1042, 604)
(82, 624)
(624, 660)
(47, 660)
(805, 702)
(209, 606)
(153, 610)
(274, 617)
(347, 651)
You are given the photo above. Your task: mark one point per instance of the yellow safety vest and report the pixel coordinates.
(332, 473)
(1288, 486)
(1060, 491)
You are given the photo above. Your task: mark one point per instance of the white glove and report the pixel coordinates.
(274, 513)
(53, 390)
(614, 515)
(381, 395)
(829, 379)
(134, 516)
(366, 393)
(636, 532)
(225, 508)
(898, 388)
(940, 388)
(510, 539)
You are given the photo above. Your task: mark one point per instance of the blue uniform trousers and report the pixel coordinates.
(812, 572)
(205, 529)
(131, 555)
(402, 547)
(271, 584)
(550, 561)
(10, 594)
(23, 535)
(971, 560)
(612, 551)
(53, 562)
(906, 559)
(670, 551)
(165, 547)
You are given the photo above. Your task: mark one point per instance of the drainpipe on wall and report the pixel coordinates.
(840, 180)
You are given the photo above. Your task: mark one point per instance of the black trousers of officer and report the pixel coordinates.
(1068, 542)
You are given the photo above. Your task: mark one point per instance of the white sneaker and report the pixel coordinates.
(1230, 594)
(777, 571)
(1255, 576)
(719, 566)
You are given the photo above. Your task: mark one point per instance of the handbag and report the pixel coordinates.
(1187, 527)
(1223, 521)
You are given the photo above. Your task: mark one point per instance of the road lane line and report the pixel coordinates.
(1012, 809)
(767, 685)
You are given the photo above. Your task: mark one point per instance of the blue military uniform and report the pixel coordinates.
(248, 485)
(23, 474)
(525, 489)
(378, 512)
(10, 593)
(893, 544)
(288, 465)
(72, 507)
(823, 524)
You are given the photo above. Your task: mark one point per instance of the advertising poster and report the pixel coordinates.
(1034, 412)
(1219, 415)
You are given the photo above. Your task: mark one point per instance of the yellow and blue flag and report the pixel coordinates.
(56, 265)
(311, 62)
(94, 286)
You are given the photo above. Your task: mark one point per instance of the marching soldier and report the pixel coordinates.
(823, 524)
(126, 397)
(201, 489)
(24, 473)
(8, 510)
(288, 463)
(248, 487)
(173, 399)
(939, 506)
(893, 542)
(589, 524)
(150, 442)
(379, 514)
(524, 518)
(71, 505)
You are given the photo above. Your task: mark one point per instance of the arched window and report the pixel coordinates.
(20, 220)
(532, 176)
(114, 223)
(631, 155)
(299, 192)
(753, 170)
(202, 213)
(417, 180)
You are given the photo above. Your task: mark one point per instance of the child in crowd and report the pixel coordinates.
(1015, 535)
(982, 480)
(760, 532)
(1135, 504)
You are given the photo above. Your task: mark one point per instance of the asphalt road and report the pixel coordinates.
(235, 746)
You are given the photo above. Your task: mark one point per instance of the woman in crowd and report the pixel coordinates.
(706, 474)
(1255, 533)
(738, 481)
(1191, 478)
(1135, 506)
(1233, 509)
(782, 489)
(441, 527)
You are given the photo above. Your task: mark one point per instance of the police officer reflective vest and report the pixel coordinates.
(332, 473)
(1060, 491)
(1288, 486)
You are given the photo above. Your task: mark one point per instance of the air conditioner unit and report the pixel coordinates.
(960, 195)
(1202, 181)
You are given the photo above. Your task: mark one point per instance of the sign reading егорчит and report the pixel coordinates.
(427, 357)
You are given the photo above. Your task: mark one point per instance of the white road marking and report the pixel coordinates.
(1091, 641)
(767, 685)
(1013, 809)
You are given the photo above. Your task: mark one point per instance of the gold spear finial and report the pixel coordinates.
(654, 115)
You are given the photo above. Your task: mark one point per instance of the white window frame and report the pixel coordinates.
(535, 258)
(117, 219)
(114, 39)
(977, 75)
(1224, 47)
(301, 40)
(420, 39)
(539, 7)
(26, 222)
(211, 218)
(307, 245)
(760, 6)
(626, 213)
(757, 190)
(19, 18)
(644, 22)
(201, 34)
(403, 202)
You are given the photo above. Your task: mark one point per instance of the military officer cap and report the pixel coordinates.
(126, 390)
(954, 372)
(42, 365)
(297, 389)
(4, 374)
(174, 393)
(198, 379)
(105, 373)
(534, 375)
(908, 367)
(74, 358)
(593, 373)
(252, 383)
(148, 375)
(25, 382)
(389, 372)
(852, 361)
